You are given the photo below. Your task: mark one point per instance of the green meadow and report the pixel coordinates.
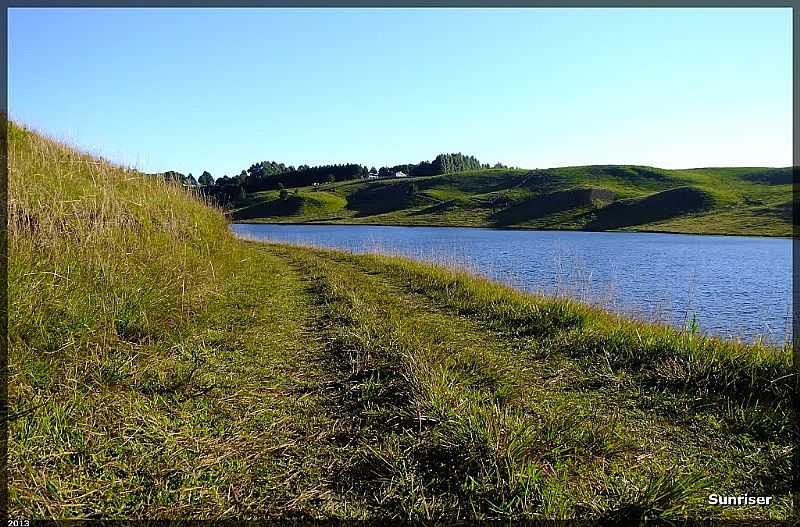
(745, 201)
(161, 368)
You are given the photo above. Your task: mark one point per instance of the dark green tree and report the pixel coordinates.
(206, 179)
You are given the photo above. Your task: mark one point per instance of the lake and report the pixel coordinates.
(737, 287)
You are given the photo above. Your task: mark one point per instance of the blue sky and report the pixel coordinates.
(214, 89)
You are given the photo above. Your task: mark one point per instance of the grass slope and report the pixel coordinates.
(752, 201)
(161, 368)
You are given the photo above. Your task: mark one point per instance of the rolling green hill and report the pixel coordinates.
(751, 201)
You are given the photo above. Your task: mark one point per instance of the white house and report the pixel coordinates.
(373, 176)
(400, 174)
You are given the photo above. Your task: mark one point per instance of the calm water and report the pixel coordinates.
(736, 286)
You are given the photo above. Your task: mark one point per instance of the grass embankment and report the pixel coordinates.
(161, 368)
(749, 201)
(158, 367)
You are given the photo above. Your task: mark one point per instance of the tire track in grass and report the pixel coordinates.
(393, 459)
(216, 418)
(558, 447)
(259, 427)
(267, 327)
(705, 425)
(466, 384)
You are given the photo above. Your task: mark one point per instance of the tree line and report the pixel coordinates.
(272, 175)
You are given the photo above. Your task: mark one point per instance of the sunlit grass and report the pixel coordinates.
(153, 358)
(544, 407)
(160, 368)
(748, 201)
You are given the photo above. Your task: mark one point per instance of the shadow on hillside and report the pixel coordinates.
(773, 176)
(649, 209)
(437, 208)
(381, 199)
(631, 174)
(782, 211)
(276, 207)
(551, 203)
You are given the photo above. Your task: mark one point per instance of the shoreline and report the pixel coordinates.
(323, 223)
(624, 315)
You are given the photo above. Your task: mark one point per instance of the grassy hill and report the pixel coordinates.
(160, 368)
(753, 201)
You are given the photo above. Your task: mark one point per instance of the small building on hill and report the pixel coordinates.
(400, 173)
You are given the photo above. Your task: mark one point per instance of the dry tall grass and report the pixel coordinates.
(143, 250)
(107, 270)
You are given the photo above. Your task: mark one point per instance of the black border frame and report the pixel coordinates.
(652, 4)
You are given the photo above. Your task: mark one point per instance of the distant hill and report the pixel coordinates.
(750, 201)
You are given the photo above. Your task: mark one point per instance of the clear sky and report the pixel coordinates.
(214, 89)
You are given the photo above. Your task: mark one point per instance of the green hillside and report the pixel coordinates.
(750, 201)
(160, 368)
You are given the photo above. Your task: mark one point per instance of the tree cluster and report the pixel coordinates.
(442, 164)
(225, 190)
(272, 175)
(302, 176)
(447, 163)
(170, 176)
